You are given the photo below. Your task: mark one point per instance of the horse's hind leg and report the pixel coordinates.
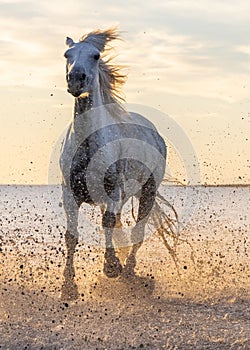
(69, 288)
(146, 202)
(112, 265)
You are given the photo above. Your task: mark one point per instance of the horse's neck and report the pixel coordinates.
(97, 105)
(82, 105)
(92, 100)
(90, 103)
(89, 113)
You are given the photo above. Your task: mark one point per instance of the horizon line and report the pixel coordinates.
(177, 185)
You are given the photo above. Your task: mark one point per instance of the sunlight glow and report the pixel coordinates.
(188, 59)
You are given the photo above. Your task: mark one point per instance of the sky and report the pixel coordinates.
(188, 59)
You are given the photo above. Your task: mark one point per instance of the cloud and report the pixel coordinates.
(189, 57)
(179, 64)
(158, 49)
(243, 49)
(216, 10)
(19, 9)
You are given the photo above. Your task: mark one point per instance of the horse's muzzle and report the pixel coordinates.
(75, 93)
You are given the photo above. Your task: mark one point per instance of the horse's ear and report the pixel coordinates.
(69, 41)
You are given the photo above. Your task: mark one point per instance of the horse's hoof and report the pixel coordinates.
(129, 268)
(128, 274)
(112, 269)
(69, 291)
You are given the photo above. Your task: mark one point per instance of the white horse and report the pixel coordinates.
(108, 155)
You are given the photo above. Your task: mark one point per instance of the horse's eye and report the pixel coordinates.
(97, 56)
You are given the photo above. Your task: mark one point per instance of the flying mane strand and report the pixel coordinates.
(111, 77)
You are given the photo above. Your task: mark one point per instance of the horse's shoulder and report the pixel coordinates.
(140, 119)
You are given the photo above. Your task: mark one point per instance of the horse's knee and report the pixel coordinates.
(109, 219)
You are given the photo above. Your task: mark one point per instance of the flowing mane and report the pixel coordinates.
(111, 76)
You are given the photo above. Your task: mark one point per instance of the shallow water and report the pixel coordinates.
(202, 303)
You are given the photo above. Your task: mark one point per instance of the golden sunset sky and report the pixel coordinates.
(189, 59)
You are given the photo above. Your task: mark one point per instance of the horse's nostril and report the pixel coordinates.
(76, 76)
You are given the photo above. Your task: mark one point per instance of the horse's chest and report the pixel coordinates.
(87, 161)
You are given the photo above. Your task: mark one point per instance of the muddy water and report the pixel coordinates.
(203, 303)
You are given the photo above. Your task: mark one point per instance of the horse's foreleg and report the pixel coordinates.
(146, 203)
(138, 237)
(112, 265)
(71, 242)
(69, 288)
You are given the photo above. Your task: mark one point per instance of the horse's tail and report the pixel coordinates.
(164, 219)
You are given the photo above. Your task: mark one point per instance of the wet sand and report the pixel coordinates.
(204, 305)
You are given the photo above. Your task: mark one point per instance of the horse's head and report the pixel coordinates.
(81, 67)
